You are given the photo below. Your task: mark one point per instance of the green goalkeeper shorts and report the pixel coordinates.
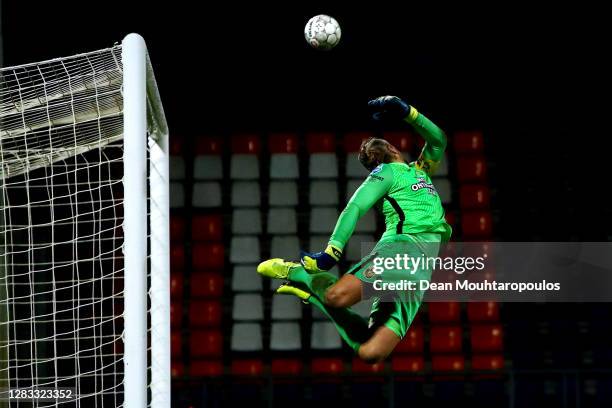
(396, 309)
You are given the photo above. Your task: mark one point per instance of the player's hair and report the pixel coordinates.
(375, 151)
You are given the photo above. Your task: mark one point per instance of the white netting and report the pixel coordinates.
(61, 235)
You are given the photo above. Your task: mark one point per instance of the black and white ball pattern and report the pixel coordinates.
(322, 32)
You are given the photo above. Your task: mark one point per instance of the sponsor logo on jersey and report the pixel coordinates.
(422, 183)
(377, 169)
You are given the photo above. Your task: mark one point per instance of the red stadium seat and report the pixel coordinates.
(286, 366)
(451, 218)
(177, 257)
(327, 366)
(245, 144)
(209, 145)
(207, 255)
(487, 362)
(360, 367)
(445, 339)
(483, 311)
(206, 284)
(468, 142)
(176, 313)
(413, 341)
(177, 369)
(176, 146)
(207, 228)
(444, 312)
(448, 362)
(176, 284)
(283, 143)
(206, 368)
(204, 313)
(175, 344)
(404, 363)
(249, 367)
(403, 141)
(471, 168)
(324, 142)
(206, 343)
(474, 196)
(352, 141)
(476, 224)
(177, 228)
(486, 337)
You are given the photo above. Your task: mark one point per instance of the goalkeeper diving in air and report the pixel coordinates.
(415, 225)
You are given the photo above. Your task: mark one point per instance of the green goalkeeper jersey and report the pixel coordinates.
(404, 193)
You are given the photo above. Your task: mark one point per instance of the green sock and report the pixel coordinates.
(351, 327)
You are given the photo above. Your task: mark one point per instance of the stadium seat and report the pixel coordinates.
(244, 162)
(286, 247)
(177, 195)
(476, 224)
(247, 306)
(207, 255)
(285, 336)
(244, 250)
(359, 246)
(283, 156)
(448, 362)
(468, 142)
(487, 362)
(323, 219)
(286, 366)
(471, 168)
(250, 367)
(317, 243)
(246, 279)
(444, 312)
(367, 223)
(413, 341)
(246, 337)
(177, 257)
(358, 366)
(327, 366)
(474, 196)
(323, 193)
(283, 193)
(323, 165)
(204, 313)
(206, 284)
(351, 142)
(282, 221)
(206, 195)
(445, 339)
(245, 194)
(177, 369)
(363, 308)
(205, 343)
(402, 140)
(176, 313)
(451, 218)
(442, 169)
(246, 221)
(354, 169)
(206, 368)
(324, 336)
(486, 337)
(443, 187)
(207, 227)
(407, 363)
(176, 284)
(209, 145)
(286, 308)
(177, 228)
(177, 167)
(483, 311)
(207, 167)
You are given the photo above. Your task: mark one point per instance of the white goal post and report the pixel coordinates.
(84, 230)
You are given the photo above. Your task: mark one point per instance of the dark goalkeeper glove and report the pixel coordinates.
(391, 108)
(321, 261)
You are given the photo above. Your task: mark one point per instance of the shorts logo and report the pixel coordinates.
(424, 184)
(368, 273)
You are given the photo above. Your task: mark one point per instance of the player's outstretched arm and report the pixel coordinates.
(393, 108)
(371, 190)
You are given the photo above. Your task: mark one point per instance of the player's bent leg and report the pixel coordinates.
(344, 293)
(379, 346)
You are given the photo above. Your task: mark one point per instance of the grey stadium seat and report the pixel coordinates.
(284, 166)
(323, 193)
(244, 167)
(245, 194)
(246, 279)
(285, 336)
(246, 337)
(443, 187)
(207, 167)
(324, 336)
(286, 247)
(286, 308)
(246, 221)
(282, 221)
(352, 186)
(247, 306)
(317, 243)
(283, 193)
(206, 194)
(323, 219)
(177, 167)
(323, 165)
(354, 169)
(245, 250)
(177, 195)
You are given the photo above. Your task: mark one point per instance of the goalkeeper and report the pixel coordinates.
(415, 225)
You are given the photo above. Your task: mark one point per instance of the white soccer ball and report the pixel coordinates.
(322, 32)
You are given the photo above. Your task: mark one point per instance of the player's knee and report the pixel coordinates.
(372, 354)
(337, 297)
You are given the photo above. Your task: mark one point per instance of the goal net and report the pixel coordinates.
(84, 270)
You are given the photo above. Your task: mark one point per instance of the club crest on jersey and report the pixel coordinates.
(422, 183)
